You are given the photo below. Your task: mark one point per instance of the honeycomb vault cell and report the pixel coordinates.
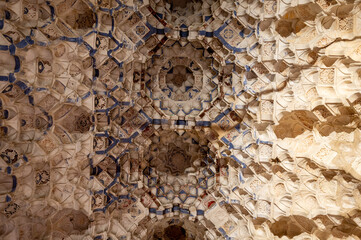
(175, 154)
(170, 119)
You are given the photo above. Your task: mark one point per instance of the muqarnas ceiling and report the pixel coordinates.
(170, 119)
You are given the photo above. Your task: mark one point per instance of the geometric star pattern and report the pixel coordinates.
(166, 119)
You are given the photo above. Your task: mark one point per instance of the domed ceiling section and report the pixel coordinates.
(185, 83)
(170, 119)
(177, 154)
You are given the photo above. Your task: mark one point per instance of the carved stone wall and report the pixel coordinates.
(170, 119)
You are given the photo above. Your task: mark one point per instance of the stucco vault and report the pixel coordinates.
(171, 119)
